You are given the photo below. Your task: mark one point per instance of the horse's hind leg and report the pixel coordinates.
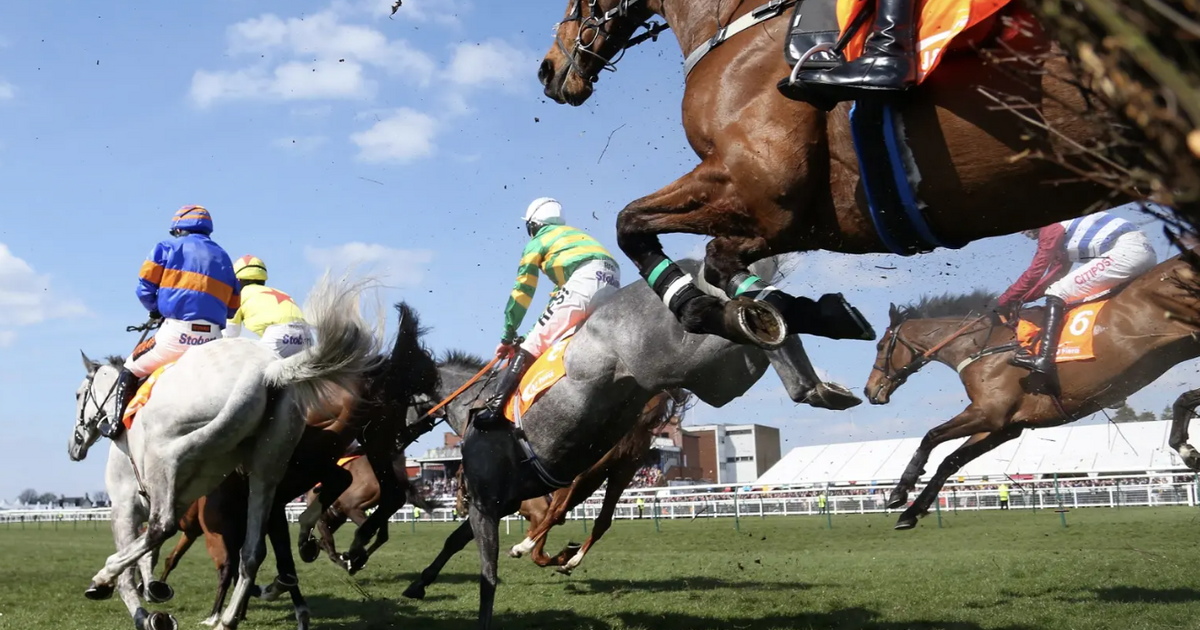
(486, 525)
(973, 448)
(286, 578)
(278, 435)
(334, 481)
(1183, 411)
(455, 543)
(619, 478)
(330, 522)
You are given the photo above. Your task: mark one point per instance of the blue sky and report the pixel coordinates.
(323, 133)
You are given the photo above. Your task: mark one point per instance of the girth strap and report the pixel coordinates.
(760, 14)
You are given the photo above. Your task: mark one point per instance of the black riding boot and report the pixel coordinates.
(888, 63)
(1043, 375)
(112, 428)
(492, 413)
(831, 317)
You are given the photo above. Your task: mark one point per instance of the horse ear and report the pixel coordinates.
(88, 364)
(893, 313)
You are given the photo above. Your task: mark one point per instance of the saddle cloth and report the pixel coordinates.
(142, 396)
(942, 21)
(1077, 335)
(541, 376)
(345, 461)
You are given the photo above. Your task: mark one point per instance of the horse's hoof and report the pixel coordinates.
(211, 621)
(98, 592)
(303, 618)
(756, 323)
(515, 552)
(565, 570)
(416, 590)
(1191, 457)
(159, 592)
(272, 592)
(906, 521)
(255, 592)
(898, 499)
(833, 396)
(161, 621)
(309, 550)
(353, 562)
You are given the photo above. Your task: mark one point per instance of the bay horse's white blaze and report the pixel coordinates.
(227, 404)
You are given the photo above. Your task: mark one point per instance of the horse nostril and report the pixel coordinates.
(546, 72)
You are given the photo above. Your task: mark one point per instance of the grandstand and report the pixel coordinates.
(1127, 448)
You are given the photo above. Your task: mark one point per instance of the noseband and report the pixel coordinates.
(90, 395)
(596, 24)
(920, 359)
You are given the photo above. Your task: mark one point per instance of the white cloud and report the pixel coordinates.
(303, 144)
(335, 55)
(7, 91)
(7, 337)
(403, 136)
(493, 62)
(26, 298)
(402, 267)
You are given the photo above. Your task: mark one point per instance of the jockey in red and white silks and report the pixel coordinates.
(1110, 251)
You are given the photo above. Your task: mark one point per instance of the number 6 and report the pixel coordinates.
(1081, 322)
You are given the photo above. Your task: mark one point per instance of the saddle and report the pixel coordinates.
(144, 390)
(547, 370)
(825, 33)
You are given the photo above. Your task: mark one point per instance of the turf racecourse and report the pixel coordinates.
(1120, 569)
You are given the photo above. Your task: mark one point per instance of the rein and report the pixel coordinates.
(458, 392)
(596, 23)
(920, 359)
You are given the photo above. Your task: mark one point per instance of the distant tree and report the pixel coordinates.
(100, 497)
(1168, 413)
(48, 497)
(28, 496)
(1146, 416)
(1125, 414)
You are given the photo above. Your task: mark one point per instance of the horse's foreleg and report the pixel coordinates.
(560, 504)
(391, 498)
(1182, 412)
(620, 476)
(700, 202)
(455, 543)
(971, 449)
(330, 522)
(969, 422)
(381, 538)
(334, 481)
(485, 522)
(286, 578)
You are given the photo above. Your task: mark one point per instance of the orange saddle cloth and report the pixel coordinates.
(142, 396)
(1077, 335)
(541, 376)
(942, 21)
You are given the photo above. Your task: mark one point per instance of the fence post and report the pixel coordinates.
(1062, 513)
(657, 510)
(937, 501)
(737, 509)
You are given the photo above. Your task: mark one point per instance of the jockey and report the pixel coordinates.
(584, 274)
(888, 62)
(1112, 252)
(269, 313)
(188, 283)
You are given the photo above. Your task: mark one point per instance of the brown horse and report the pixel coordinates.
(778, 176)
(362, 495)
(1133, 344)
(376, 417)
(618, 467)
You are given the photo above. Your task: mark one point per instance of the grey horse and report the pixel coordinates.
(630, 349)
(227, 404)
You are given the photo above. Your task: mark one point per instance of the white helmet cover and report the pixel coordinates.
(544, 211)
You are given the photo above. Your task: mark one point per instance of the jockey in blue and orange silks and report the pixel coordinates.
(189, 284)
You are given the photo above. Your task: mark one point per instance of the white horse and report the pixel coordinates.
(227, 404)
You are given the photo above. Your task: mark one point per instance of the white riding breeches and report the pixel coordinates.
(1131, 256)
(588, 287)
(173, 338)
(287, 339)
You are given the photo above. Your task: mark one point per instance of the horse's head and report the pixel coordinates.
(893, 358)
(95, 400)
(586, 41)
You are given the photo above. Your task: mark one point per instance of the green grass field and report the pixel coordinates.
(1132, 568)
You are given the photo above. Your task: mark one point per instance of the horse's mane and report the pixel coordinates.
(977, 302)
(462, 359)
(115, 360)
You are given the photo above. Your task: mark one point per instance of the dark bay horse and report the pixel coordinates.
(778, 176)
(618, 467)
(1133, 343)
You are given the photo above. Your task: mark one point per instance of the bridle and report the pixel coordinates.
(920, 359)
(596, 24)
(101, 414)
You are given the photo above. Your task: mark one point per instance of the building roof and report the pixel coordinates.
(1097, 448)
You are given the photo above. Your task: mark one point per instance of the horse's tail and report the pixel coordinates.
(346, 346)
(427, 504)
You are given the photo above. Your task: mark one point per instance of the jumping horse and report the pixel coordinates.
(1133, 345)
(618, 467)
(777, 175)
